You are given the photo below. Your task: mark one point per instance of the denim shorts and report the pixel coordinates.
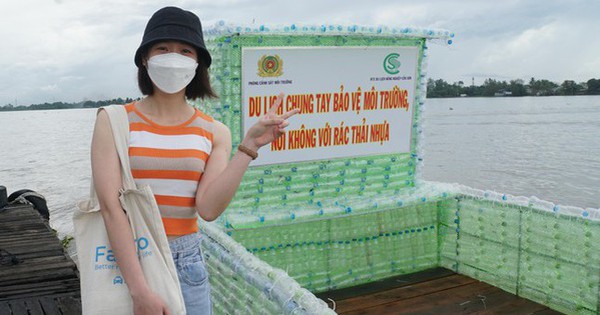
(193, 277)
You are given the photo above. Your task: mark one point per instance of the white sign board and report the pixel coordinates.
(354, 101)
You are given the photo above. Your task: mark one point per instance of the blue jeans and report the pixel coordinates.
(193, 277)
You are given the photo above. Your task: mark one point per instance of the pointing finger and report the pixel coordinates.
(290, 113)
(277, 103)
(284, 124)
(272, 121)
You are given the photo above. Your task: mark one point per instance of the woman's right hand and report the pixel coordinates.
(149, 303)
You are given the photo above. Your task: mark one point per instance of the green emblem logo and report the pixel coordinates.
(391, 63)
(270, 66)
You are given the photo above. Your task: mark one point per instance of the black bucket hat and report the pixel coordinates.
(171, 23)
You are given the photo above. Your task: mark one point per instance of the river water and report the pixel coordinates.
(548, 147)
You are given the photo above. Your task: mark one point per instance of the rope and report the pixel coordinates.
(333, 302)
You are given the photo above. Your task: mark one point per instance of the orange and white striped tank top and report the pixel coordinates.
(171, 160)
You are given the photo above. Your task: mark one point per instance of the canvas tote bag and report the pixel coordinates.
(103, 288)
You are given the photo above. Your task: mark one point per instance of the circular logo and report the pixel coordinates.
(270, 66)
(391, 63)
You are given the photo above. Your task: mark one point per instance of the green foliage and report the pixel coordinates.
(593, 87)
(517, 88)
(569, 87)
(66, 241)
(542, 87)
(441, 88)
(491, 87)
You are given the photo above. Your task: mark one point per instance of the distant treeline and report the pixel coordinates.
(491, 87)
(435, 88)
(63, 105)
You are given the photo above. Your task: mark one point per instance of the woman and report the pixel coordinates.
(180, 152)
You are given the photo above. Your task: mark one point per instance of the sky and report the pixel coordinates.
(74, 50)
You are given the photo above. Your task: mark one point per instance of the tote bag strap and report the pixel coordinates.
(120, 129)
(119, 124)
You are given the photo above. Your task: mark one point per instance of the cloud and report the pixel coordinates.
(49, 88)
(85, 48)
(522, 39)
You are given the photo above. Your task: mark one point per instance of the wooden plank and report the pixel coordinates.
(33, 270)
(21, 224)
(45, 276)
(5, 308)
(25, 217)
(43, 292)
(546, 311)
(496, 300)
(36, 262)
(18, 307)
(34, 239)
(26, 270)
(393, 282)
(26, 255)
(23, 238)
(31, 245)
(45, 281)
(39, 253)
(26, 249)
(503, 302)
(13, 229)
(40, 232)
(10, 237)
(402, 293)
(453, 301)
(12, 211)
(34, 307)
(16, 211)
(44, 288)
(49, 306)
(41, 276)
(31, 219)
(32, 286)
(69, 305)
(476, 297)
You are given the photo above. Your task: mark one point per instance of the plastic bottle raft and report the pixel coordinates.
(339, 212)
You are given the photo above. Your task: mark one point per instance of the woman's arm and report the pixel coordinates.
(106, 172)
(221, 179)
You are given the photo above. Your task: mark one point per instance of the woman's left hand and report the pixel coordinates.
(269, 126)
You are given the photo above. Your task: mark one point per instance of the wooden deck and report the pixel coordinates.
(434, 291)
(36, 276)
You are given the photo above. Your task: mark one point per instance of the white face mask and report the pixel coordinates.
(171, 72)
